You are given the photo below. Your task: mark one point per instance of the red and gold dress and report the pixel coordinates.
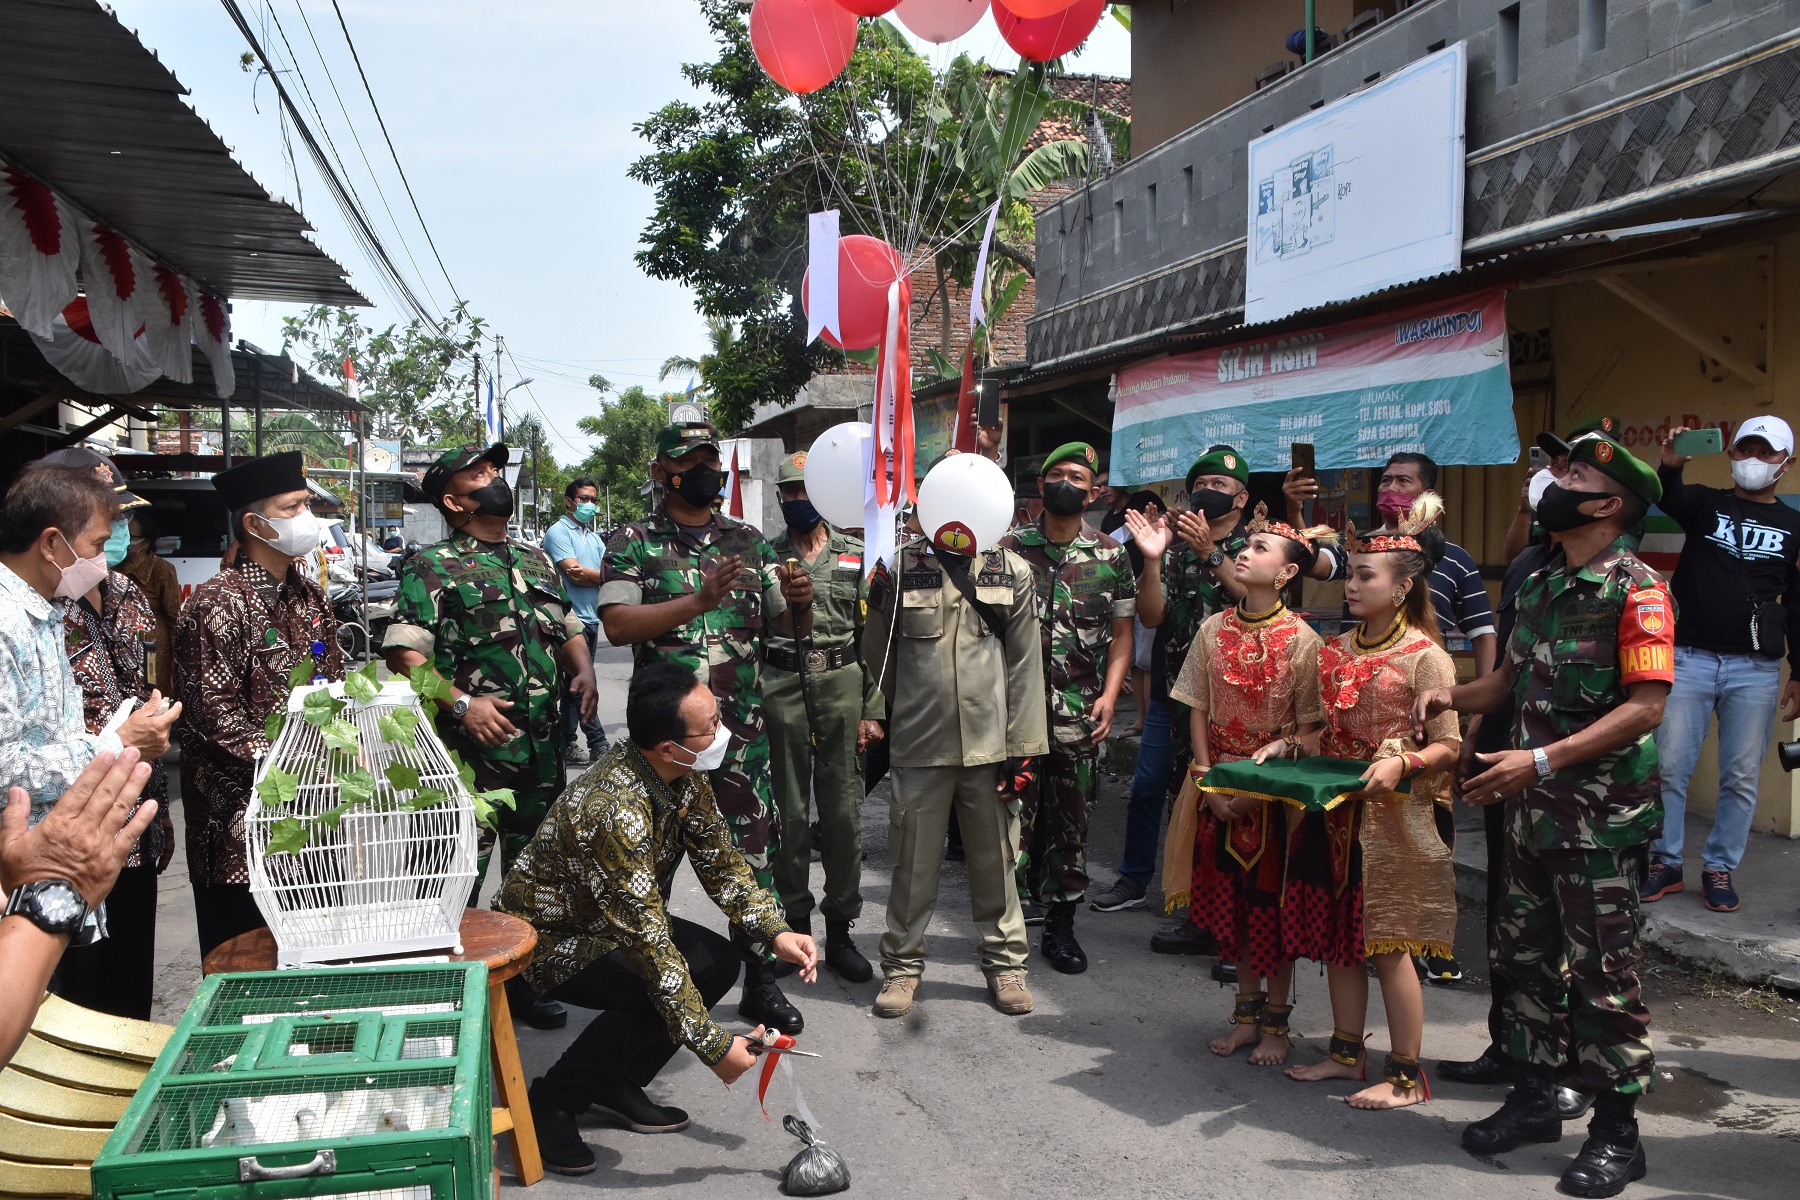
(1373, 876)
(1255, 677)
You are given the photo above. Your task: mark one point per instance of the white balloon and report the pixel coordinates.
(835, 468)
(940, 20)
(965, 504)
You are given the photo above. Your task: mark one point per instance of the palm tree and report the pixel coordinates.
(721, 335)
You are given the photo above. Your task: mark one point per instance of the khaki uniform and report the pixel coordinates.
(962, 701)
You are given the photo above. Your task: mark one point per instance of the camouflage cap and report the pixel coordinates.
(1220, 460)
(1075, 452)
(792, 469)
(1616, 462)
(460, 458)
(1553, 445)
(677, 440)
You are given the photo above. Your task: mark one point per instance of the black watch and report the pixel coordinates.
(53, 905)
(1216, 559)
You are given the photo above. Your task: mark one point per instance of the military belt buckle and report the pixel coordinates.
(815, 660)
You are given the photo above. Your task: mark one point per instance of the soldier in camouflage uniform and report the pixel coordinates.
(822, 709)
(1179, 589)
(689, 585)
(1086, 596)
(489, 615)
(1589, 666)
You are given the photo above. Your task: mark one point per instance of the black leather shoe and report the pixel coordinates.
(1184, 938)
(1528, 1115)
(1604, 1166)
(1492, 1067)
(533, 1009)
(559, 1138)
(1058, 943)
(627, 1106)
(763, 1004)
(842, 956)
(1572, 1102)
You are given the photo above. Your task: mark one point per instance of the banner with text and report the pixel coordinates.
(1432, 378)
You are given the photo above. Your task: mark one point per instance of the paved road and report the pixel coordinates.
(1108, 1089)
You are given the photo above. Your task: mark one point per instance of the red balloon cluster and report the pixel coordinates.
(1041, 30)
(802, 44)
(866, 267)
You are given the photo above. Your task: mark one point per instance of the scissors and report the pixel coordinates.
(771, 1042)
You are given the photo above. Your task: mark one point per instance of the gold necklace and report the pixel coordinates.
(1387, 641)
(1246, 617)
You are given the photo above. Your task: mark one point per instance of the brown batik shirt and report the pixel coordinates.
(240, 635)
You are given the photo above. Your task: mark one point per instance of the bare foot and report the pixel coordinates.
(1386, 1095)
(1239, 1037)
(1272, 1050)
(1325, 1068)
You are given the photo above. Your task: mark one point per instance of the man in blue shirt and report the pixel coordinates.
(576, 546)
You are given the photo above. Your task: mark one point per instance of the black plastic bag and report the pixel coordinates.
(817, 1170)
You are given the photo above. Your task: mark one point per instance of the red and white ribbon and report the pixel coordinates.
(114, 278)
(169, 323)
(39, 251)
(212, 333)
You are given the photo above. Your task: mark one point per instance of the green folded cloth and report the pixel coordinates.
(1310, 784)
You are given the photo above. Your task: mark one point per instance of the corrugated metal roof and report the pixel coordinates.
(91, 112)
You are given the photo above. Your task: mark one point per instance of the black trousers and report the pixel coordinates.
(117, 974)
(627, 1040)
(222, 911)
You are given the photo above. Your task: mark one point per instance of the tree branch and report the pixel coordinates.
(1002, 248)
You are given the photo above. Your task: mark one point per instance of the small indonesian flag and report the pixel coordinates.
(351, 387)
(849, 562)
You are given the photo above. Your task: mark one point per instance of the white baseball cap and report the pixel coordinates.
(1772, 430)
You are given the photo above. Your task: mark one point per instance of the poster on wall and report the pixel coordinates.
(1362, 194)
(1432, 378)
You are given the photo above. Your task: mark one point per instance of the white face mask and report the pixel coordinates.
(81, 576)
(1539, 482)
(711, 758)
(294, 535)
(1753, 474)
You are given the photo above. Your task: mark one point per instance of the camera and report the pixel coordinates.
(1789, 754)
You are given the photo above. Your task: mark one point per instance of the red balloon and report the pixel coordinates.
(866, 266)
(1041, 39)
(802, 44)
(1036, 8)
(872, 8)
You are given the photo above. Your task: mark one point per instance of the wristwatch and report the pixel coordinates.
(461, 708)
(53, 905)
(1216, 559)
(1542, 759)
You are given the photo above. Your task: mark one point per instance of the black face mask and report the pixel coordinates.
(492, 500)
(1064, 499)
(1559, 509)
(698, 485)
(800, 515)
(1211, 503)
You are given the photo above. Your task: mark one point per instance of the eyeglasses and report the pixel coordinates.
(710, 732)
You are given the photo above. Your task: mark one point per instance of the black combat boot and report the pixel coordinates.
(1529, 1115)
(842, 956)
(763, 1003)
(1492, 1067)
(781, 968)
(1058, 943)
(1612, 1156)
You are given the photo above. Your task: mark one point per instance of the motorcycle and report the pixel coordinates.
(361, 628)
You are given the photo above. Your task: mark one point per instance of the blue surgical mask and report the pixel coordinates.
(586, 511)
(119, 544)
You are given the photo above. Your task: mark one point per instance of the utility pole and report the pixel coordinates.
(478, 421)
(536, 506)
(499, 389)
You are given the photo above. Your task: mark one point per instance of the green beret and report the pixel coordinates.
(676, 440)
(1616, 462)
(1075, 452)
(792, 469)
(1220, 460)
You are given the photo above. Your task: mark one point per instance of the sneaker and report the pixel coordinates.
(897, 995)
(1438, 970)
(1715, 887)
(559, 1138)
(1184, 937)
(1664, 880)
(1011, 996)
(1121, 895)
(578, 755)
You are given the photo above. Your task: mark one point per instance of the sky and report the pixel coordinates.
(513, 122)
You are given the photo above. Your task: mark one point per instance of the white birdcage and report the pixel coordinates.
(393, 876)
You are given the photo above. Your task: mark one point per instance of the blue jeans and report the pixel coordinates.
(571, 707)
(1743, 689)
(1149, 796)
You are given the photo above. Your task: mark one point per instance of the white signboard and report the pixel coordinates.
(1365, 193)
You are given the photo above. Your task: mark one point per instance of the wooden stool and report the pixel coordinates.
(505, 944)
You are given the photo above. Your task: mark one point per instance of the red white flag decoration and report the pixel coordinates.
(352, 388)
(893, 467)
(39, 250)
(822, 272)
(212, 333)
(735, 489)
(169, 324)
(74, 349)
(113, 278)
